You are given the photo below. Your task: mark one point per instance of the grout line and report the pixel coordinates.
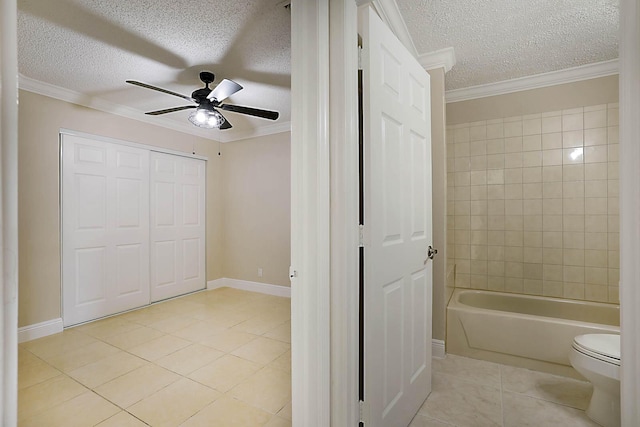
(501, 394)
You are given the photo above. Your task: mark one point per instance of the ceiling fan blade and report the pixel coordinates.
(226, 124)
(265, 114)
(170, 110)
(225, 89)
(159, 89)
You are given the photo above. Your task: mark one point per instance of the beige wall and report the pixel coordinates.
(38, 205)
(439, 188)
(257, 205)
(532, 190)
(602, 90)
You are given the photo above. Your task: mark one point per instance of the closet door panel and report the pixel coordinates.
(105, 228)
(177, 225)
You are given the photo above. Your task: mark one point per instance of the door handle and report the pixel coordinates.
(431, 252)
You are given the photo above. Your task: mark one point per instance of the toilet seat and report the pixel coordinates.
(604, 347)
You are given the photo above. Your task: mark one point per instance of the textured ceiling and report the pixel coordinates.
(93, 46)
(496, 40)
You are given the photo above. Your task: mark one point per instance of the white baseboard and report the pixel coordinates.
(437, 349)
(39, 330)
(245, 285)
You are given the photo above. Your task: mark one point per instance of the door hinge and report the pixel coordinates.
(359, 57)
(364, 412)
(361, 235)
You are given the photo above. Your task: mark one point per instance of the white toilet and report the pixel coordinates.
(597, 358)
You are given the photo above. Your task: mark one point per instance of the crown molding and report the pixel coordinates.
(569, 75)
(67, 95)
(442, 58)
(390, 15)
(261, 131)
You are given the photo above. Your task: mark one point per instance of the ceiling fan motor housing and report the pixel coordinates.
(207, 77)
(200, 95)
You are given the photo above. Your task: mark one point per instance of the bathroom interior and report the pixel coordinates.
(532, 243)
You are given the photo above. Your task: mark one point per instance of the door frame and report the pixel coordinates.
(9, 209)
(629, 202)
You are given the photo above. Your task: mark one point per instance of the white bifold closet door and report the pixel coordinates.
(105, 228)
(177, 225)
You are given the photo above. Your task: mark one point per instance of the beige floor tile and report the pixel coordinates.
(228, 412)
(224, 373)
(523, 411)
(32, 370)
(478, 371)
(107, 327)
(46, 395)
(134, 386)
(199, 331)
(262, 350)
(278, 422)
(224, 317)
(188, 359)
(463, 403)
(122, 419)
(141, 316)
(106, 369)
(285, 412)
(181, 305)
(269, 389)
(260, 324)
(174, 404)
(87, 409)
(281, 333)
(133, 338)
(565, 391)
(229, 340)
(159, 347)
(422, 421)
(283, 362)
(53, 345)
(173, 323)
(82, 356)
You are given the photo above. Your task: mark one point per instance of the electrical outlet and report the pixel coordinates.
(259, 271)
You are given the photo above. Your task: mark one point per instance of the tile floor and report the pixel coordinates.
(474, 393)
(217, 358)
(222, 358)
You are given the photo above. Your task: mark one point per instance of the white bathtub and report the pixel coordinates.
(522, 330)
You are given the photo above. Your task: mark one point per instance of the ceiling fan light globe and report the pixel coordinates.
(201, 116)
(215, 119)
(206, 119)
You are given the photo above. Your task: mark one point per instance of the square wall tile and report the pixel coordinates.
(551, 124)
(595, 154)
(573, 139)
(595, 136)
(595, 119)
(495, 146)
(494, 131)
(551, 157)
(572, 122)
(551, 141)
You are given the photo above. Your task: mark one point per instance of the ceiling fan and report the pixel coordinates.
(208, 102)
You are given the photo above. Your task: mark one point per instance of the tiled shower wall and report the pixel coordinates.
(533, 204)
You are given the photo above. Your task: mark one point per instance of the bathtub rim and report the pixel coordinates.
(455, 303)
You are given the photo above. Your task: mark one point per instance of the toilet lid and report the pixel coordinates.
(601, 346)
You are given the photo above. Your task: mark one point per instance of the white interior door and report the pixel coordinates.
(397, 220)
(177, 225)
(105, 228)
